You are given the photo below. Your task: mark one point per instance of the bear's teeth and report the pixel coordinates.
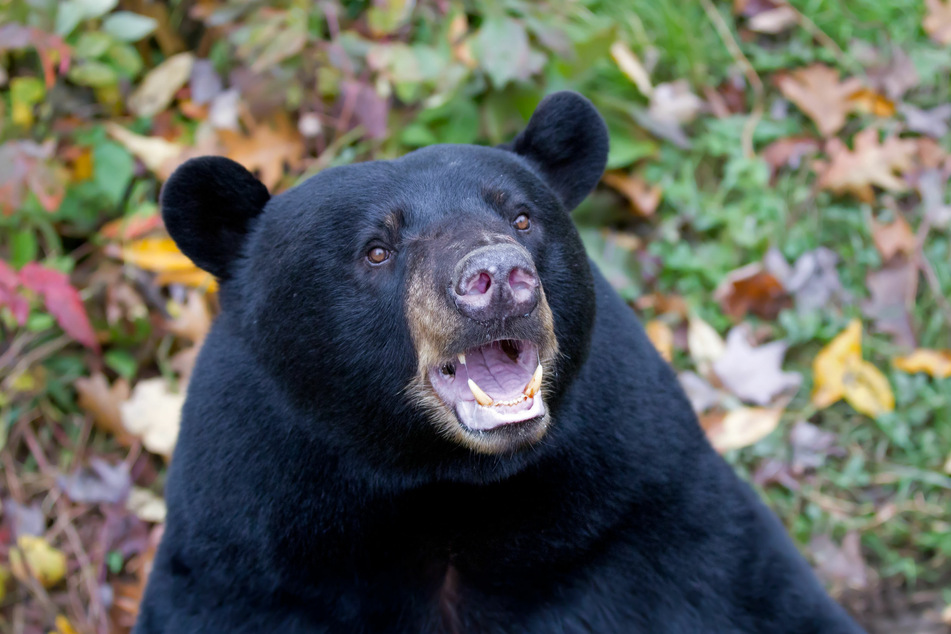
(536, 382)
(481, 397)
(462, 358)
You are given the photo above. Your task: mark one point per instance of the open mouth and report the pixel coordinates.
(492, 385)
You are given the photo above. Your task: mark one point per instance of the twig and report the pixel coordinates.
(726, 36)
(36, 354)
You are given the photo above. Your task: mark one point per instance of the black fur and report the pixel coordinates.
(308, 494)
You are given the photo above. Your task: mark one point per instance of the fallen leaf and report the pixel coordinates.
(751, 289)
(147, 506)
(102, 402)
(700, 393)
(870, 102)
(643, 197)
(810, 446)
(774, 20)
(936, 363)
(813, 280)
(192, 319)
(937, 22)
(893, 74)
(267, 148)
(840, 373)
(101, 482)
(504, 51)
(159, 155)
(893, 289)
(895, 238)
(204, 82)
(673, 103)
(743, 427)
(842, 567)
(871, 163)
(932, 122)
(131, 227)
(63, 626)
(369, 109)
(931, 186)
(24, 519)
(754, 374)
(159, 86)
(157, 254)
(817, 91)
(33, 557)
(27, 166)
(631, 66)
(152, 413)
(61, 300)
(662, 337)
(789, 152)
(704, 344)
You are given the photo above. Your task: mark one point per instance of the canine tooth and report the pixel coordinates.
(536, 382)
(462, 358)
(481, 397)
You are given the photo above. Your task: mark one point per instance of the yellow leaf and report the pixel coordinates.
(195, 278)
(34, 558)
(866, 389)
(4, 582)
(743, 427)
(160, 84)
(157, 154)
(704, 343)
(937, 363)
(63, 626)
(156, 254)
(662, 337)
(828, 368)
(83, 166)
(632, 68)
(152, 413)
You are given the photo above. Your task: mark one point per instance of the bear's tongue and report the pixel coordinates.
(492, 385)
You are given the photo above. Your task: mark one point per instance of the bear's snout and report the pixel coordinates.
(495, 282)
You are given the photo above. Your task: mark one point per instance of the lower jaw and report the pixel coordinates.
(476, 418)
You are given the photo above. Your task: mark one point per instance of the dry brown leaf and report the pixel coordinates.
(774, 20)
(870, 102)
(743, 427)
(673, 103)
(893, 289)
(152, 413)
(754, 373)
(145, 505)
(159, 155)
(161, 83)
(643, 197)
(936, 363)
(662, 337)
(192, 319)
(752, 289)
(872, 163)
(817, 91)
(937, 22)
(789, 152)
(102, 402)
(705, 345)
(895, 238)
(267, 148)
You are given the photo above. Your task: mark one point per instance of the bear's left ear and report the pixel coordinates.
(208, 204)
(567, 140)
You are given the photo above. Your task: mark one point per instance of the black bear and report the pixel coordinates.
(422, 409)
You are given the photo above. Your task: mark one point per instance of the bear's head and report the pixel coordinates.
(436, 305)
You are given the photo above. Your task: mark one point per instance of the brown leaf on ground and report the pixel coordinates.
(270, 148)
(817, 91)
(161, 83)
(643, 197)
(893, 73)
(754, 373)
(789, 152)
(700, 393)
(673, 103)
(662, 304)
(937, 22)
(813, 280)
(752, 289)
(705, 345)
(193, 320)
(932, 122)
(893, 289)
(894, 238)
(810, 446)
(662, 337)
(871, 163)
(159, 155)
(102, 401)
(842, 567)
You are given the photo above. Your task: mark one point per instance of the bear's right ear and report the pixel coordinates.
(208, 204)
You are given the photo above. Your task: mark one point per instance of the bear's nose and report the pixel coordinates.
(495, 282)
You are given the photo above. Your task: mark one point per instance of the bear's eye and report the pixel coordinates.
(522, 223)
(377, 255)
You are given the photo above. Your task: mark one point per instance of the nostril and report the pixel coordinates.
(522, 282)
(479, 284)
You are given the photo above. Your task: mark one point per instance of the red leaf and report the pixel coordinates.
(62, 301)
(8, 294)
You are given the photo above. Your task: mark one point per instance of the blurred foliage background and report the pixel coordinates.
(776, 210)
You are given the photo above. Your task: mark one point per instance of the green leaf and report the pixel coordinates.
(95, 8)
(92, 45)
(121, 362)
(128, 26)
(94, 74)
(113, 170)
(114, 561)
(625, 150)
(68, 16)
(23, 247)
(504, 53)
(125, 59)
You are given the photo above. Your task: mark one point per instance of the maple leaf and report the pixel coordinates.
(267, 148)
(61, 300)
(817, 91)
(754, 373)
(751, 288)
(895, 238)
(937, 23)
(893, 290)
(872, 163)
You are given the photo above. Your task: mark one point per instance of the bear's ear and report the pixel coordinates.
(567, 140)
(208, 204)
